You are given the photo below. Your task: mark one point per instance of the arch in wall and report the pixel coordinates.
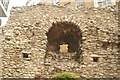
(64, 33)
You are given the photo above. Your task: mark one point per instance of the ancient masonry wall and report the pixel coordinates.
(25, 34)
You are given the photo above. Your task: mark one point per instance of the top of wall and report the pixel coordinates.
(104, 18)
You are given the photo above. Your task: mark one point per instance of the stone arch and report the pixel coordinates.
(64, 33)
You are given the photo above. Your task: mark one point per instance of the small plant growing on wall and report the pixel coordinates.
(65, 76)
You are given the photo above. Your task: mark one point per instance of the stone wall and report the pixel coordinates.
(25, 36)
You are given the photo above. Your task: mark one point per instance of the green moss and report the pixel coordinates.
(65, 76)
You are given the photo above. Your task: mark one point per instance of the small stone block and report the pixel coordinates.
(64, 48)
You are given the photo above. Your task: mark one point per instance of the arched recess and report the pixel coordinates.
(64, 33)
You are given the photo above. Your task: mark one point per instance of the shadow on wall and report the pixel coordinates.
(0, 22)
(66, 34)
(119, 37)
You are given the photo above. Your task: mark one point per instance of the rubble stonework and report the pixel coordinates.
(25, 33)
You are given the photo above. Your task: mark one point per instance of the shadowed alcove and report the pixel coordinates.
(64, 33)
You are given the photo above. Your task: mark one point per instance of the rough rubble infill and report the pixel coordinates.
(25, 33)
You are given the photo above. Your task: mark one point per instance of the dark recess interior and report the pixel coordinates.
(64, 33)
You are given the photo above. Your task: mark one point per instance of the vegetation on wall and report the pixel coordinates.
(65, 76)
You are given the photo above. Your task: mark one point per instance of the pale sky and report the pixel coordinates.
(23, 2)
(18, 2)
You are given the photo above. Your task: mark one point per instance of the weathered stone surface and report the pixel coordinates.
(26, 30)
